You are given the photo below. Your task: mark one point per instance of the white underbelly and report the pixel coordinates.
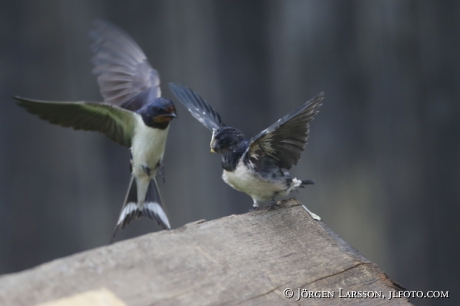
(252, 184)
(147, 149)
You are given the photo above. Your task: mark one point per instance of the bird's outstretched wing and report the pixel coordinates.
(285, 139)
(116, 123)
(125, 76)
(199, 108)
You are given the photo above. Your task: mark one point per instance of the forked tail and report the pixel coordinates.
(308, 182)
(300, 183)
(152, 207)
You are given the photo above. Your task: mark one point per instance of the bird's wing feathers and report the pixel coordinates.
(285, 139)
(117, 123)
(122, 67)
(198, 107)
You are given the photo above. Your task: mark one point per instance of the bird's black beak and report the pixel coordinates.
(165, 117)
(171, 115)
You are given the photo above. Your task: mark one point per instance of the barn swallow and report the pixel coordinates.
(258, 167)
(133, 114)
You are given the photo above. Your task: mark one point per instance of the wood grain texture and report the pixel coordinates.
(240, 259)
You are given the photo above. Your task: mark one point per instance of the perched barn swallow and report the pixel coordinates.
(258, 167)
(133, 114)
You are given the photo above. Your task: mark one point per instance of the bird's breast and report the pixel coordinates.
(246, 180)
(147, 147)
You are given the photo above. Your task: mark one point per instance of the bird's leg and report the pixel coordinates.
(273, 205)
(146, 169)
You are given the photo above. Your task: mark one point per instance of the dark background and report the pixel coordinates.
(384, 149)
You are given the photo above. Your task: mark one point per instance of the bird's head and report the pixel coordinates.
(158, 113)
(226, 139)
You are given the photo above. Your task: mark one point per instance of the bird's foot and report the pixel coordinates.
(146, 169)
(273, 205)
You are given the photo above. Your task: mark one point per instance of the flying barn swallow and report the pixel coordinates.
(258, 167)
(133, 114)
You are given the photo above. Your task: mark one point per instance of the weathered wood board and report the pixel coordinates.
(240, 259)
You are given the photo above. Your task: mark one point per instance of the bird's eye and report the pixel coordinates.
(159, 110)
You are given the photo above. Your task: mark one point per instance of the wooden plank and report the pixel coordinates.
(100, 297)
(240, 259)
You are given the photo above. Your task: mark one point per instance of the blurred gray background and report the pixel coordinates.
(384, 149)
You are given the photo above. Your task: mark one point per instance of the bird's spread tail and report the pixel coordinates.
(308, 182)
(299, 183)
(152, 207)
